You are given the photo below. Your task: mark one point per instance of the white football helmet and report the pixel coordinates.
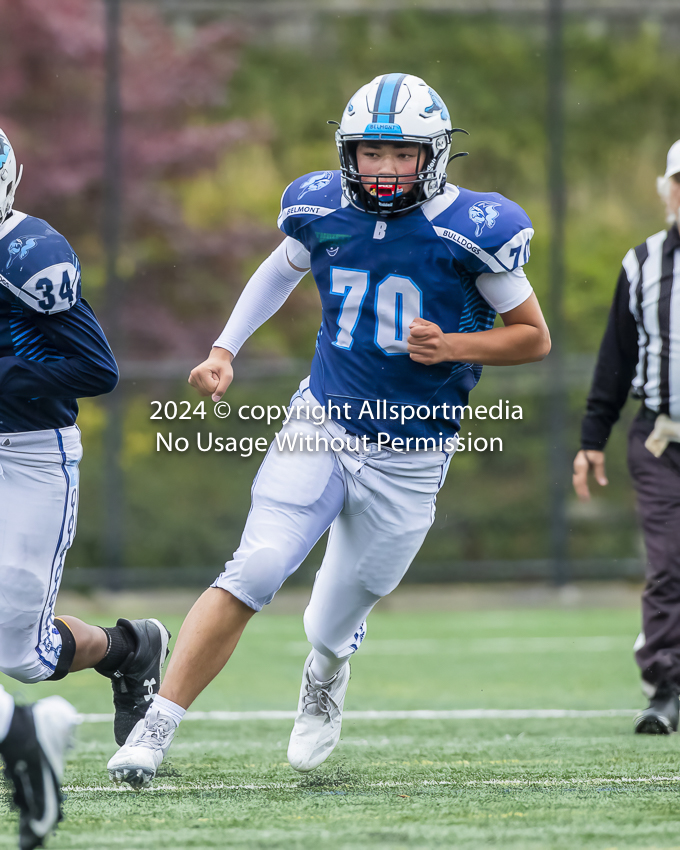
(8, 176)
(395, 108)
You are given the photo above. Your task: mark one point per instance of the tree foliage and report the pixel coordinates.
(173, 92)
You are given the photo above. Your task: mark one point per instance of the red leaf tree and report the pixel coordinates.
(173, 94)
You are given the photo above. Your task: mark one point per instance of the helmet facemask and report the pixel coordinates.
(9, 179)
(393, 194)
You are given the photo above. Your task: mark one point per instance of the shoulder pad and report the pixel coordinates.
(493, 232)
(39, 267)
(309, 197)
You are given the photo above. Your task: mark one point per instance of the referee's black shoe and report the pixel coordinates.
(34, 751)
(661, 717)
(139, 677)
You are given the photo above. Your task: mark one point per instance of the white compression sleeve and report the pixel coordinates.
(265, 293)
(505, 290)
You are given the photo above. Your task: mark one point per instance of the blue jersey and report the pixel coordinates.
(52, 349)
(375, 275)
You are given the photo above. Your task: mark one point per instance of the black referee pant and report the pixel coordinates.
(657, 483)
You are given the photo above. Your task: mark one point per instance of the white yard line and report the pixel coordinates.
(462, 783)
(418, 714)
(484, 646)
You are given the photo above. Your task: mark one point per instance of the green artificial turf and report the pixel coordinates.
(475, 783)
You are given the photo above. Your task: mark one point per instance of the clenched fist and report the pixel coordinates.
(427, 343)
(213, 376)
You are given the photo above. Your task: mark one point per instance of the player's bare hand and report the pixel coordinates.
(588, 461)
(427, 343)
(213, 376)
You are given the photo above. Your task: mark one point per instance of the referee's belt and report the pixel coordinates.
(651, 415)
(646, 413)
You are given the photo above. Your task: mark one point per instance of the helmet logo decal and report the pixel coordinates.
(437, 105)
(382, 129)
(315, 182)
(20, 248)
(484, 214)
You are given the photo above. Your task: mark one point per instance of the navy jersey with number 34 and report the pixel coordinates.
(52, 349)
(375, 275)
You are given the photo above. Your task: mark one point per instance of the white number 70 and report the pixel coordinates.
(398, 301)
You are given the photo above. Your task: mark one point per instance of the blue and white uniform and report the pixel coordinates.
(52, 351)
(376, 276)
(456, 260)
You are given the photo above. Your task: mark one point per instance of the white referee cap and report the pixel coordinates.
(673, 160)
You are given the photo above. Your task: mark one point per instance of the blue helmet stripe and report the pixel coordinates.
(386, 98)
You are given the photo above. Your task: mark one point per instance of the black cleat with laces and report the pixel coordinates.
(661, 716)
(33, 752)
(138, 678)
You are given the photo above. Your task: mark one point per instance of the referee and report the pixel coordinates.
(641, 349)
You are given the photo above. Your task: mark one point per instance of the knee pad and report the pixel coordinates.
(263, 572)
(22, 597)
(255, 578)
(68, 651)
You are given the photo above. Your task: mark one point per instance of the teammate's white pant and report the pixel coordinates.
(6, 713)
(380, 505)
(38, 508)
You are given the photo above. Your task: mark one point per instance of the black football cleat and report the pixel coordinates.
(661, 717)
(34, 751)
(138, 678)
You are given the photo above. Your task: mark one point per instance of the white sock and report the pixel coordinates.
(324, 668)
(167, 707)
(6, 713)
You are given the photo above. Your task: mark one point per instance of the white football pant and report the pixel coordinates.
(38, 509)
(379, 506)
(6, 713)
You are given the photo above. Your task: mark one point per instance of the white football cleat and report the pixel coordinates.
(34, 754)
(137, 761)
(55, 723)
(319, 719)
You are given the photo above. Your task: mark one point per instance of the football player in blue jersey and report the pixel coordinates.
(52, 351)
(411, 272)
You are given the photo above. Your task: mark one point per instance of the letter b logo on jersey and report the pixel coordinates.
(380, 229)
